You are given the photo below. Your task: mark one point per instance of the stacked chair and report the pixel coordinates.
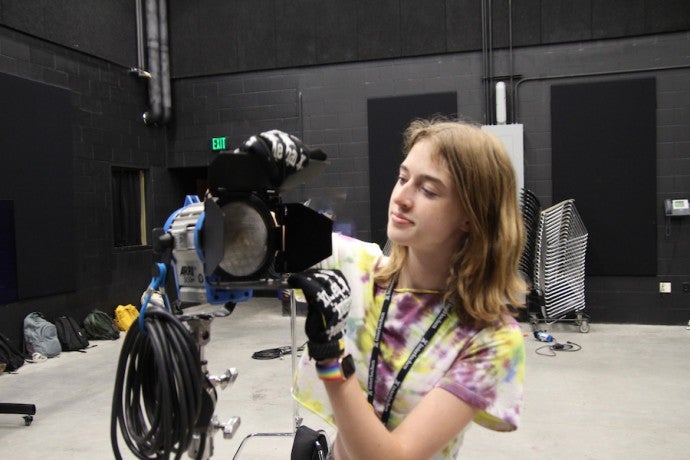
(531, 209)
(554, 262)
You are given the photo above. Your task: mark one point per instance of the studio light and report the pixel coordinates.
(242, 236)
(247, 247)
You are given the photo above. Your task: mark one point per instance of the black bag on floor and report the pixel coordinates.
(100, 326)
(309, 444)
(71, 336)
(10, 355)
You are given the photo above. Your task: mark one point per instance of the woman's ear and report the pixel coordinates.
(465, 226)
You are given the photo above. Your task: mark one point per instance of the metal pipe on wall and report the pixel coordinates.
(140, 35)
(487, 62)
(139, 70)
(490, 42)
(300, 114)
(580, 75)
(510, 50)
(485, 70)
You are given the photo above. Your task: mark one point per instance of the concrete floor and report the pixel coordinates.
(625, 395)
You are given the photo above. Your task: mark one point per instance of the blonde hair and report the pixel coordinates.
(483, 280)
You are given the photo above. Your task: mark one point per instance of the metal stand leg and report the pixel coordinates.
(297, 419)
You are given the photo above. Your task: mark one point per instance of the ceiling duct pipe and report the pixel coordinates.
(160, 106)
(165, 60)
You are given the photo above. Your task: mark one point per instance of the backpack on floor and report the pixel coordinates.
(125, 315)
(100, 326)
(309, 444)
(40, 336)
(10, 355)
(71, 336)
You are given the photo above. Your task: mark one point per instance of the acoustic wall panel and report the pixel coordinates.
(604, 156)
(8, 262)
(387, 119)
(36, 174)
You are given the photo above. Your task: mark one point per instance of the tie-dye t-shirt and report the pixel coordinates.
(484, 368)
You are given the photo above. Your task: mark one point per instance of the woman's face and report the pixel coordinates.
(424, 213)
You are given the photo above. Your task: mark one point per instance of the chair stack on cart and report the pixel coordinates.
(531, 209)
(558, 253)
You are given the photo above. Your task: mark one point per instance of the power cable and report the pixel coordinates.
(556, 347)
(157, 398)
(272, 353)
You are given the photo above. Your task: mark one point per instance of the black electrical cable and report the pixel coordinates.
(158, 388)
(556, 346)
(272, 353)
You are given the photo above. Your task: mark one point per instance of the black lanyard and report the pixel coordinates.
(373, 362)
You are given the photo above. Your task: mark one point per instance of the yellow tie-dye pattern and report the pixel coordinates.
(357, 261)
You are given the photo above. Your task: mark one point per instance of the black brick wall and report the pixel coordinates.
(107, 130)
(103, 28)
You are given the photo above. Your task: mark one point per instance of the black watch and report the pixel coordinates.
(338, 371)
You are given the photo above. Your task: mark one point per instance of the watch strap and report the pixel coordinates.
(336, 371)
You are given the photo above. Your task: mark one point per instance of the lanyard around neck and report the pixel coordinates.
(376, 350)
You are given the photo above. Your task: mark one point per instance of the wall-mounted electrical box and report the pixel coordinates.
(677, 208)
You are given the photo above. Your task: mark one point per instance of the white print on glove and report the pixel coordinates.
(283, 146)
(334, 298)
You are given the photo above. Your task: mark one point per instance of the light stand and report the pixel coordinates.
(199, 324)
(297, 419)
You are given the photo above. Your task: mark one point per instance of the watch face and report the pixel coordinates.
(347, 364)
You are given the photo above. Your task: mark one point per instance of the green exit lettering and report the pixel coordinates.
(218, 143)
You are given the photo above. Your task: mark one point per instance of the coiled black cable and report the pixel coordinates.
(158, 388)
(272, 353)
(556, 346)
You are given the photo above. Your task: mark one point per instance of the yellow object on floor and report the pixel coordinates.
(125, 315)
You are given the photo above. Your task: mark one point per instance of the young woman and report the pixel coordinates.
(405, 351)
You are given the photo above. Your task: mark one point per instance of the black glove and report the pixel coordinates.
(283, 154)
(328, 300)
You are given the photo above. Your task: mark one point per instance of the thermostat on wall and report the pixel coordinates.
(676, 208)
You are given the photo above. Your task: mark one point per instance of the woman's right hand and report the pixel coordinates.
(328, 299)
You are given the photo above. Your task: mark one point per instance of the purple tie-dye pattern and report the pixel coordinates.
(484, 368)
(459, 359)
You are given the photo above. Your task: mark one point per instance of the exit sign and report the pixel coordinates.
(217, 143)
